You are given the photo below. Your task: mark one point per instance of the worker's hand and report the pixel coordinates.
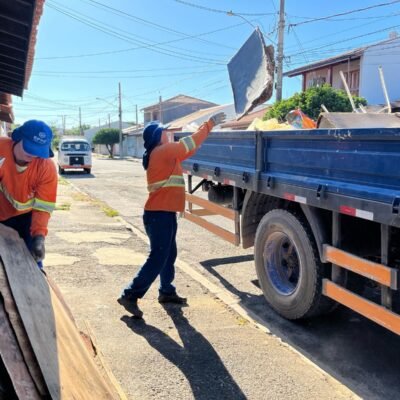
(37, 248)
(218, 118)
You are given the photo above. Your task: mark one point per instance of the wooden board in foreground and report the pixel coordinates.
(66, 365)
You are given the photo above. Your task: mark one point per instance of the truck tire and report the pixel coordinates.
(288, 266)
(88, 170)
(61, 170)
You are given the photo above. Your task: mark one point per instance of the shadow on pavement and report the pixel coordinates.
(359, 353)
(197, 359)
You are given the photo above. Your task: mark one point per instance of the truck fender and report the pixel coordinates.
(255, 206)
(318, 226)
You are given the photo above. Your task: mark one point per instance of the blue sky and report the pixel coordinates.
(168, 47)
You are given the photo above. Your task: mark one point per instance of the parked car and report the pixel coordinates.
(74, 153)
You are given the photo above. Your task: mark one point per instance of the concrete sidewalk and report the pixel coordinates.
(203, 351)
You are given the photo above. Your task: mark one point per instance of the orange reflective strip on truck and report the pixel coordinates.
(367, 308)
(379, 273)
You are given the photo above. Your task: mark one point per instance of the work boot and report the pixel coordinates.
(131, 305)
(171, 298)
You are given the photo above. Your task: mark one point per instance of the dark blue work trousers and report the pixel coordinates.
(161, 227)
(22, 224)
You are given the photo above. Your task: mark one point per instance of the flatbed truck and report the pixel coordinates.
(321, 208)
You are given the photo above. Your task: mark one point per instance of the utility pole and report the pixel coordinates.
(136, 116)
(120, 121)
(80, 122)
(109, 121)
(279, 58)
(159, 102)
(64, 122)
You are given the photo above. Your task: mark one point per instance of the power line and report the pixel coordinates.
(74, 76)
(341, 31)
(153, 24)
(346, 19)
(135, 48)
(344, 13)
(186, 3)
(345, 40)
(155, 47)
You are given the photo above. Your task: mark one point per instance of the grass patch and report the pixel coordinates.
(78, 196)
(62, 181)
(63, 207)
(110, 212)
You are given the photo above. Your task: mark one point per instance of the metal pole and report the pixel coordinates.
(279, 58)
(64, 123)
(80, 122)
(160, 100)
(120, 121)
(136, 116)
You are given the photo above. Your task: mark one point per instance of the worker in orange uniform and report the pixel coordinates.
(166, 186)
(28, 184)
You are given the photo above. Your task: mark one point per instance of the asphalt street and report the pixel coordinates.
(362, 355)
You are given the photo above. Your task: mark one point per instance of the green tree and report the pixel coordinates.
(76, 131)
(56, 137)
(107, 136)
(311, 100)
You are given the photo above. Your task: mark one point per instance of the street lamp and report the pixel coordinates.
(120, 122)
(233, 14)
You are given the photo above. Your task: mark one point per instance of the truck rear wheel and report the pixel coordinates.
(60, 170)
(288, 266)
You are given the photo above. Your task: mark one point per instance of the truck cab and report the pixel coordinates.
(74, 153)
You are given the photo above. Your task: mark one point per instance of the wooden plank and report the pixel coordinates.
(20, 334)
(368, 309)
(202, 212)
(377, 272)
(223, 233)
(67, 368)
(103, 363)
(14, 362)
(208, 205)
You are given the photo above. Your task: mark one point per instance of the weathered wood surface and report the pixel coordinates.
(66, 365)
(14, 363)
(20, 334)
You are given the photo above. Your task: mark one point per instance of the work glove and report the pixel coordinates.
(218, 118)
(37, 248)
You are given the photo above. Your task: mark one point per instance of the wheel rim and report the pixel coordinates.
(281, 263)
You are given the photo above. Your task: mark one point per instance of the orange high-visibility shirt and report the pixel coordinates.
(165, 181)
(34, 189)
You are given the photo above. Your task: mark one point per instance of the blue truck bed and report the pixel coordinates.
(342, 170)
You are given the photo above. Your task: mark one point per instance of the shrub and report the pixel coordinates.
(311, 100)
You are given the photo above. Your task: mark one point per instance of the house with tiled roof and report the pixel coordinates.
(360, 68)
(174, 108)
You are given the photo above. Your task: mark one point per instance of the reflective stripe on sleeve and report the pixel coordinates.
(32, 204)
(189, 143)
(41, 205)
(172, 181)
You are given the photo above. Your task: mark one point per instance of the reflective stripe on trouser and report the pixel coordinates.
(189, 143)
(172, 181)
(35, 204)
